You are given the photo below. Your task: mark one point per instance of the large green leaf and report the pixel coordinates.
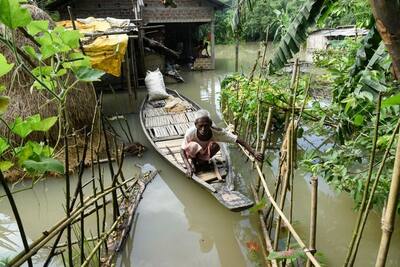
(4, 66)
(13, 15)
(44, 165)
(86, 74)
(3, 145)
(297, 32)
(4, 101)
(76, 60)
(71, 38)
(5, 165)
(21, 128)
(44, 125)
(391, 101)
(37, 26)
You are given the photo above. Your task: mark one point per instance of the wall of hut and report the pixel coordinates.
(99, 8)
(186, 11)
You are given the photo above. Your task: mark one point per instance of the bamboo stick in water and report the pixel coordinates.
(313, 215)
(390, 212)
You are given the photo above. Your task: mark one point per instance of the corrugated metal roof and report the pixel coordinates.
(343, 31)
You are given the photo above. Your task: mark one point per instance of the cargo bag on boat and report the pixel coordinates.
(155, 85)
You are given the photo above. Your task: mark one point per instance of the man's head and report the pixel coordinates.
(203, 122)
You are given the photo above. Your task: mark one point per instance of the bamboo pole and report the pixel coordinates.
(351, 253)
(16, 216)
(82, 216)
(267, 239)
(313, 216)
(291, 184)
(94, 189)
(237, 55)
(390, 212)
(284, 187)
(293, 82)
(114, 195)
(98, 245)
(280, 212)
(48, 235)
(129, 129)
(264, 140)
(375, 184)
(254, 66)
(67, 185)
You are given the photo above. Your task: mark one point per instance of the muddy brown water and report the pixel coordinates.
(180, 224)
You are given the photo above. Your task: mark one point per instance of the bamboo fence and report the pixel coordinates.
(123, 193)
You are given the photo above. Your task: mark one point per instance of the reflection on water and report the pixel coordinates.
(180, 224)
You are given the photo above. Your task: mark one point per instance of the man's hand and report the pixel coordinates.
(258, 156)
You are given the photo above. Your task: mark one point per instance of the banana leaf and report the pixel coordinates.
(297, 33)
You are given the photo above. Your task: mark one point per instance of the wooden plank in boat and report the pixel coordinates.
(160, 131)
(179, 118)
(207, 176)
(176, 159)
(169, 150)
(190, 115)
(151, 112)
(171, 130)
(181, 128)
(157, 121)
(170, 143)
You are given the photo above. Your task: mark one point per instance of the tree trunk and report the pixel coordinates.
(386, 13)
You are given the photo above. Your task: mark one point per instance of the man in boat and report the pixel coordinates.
(200, 143)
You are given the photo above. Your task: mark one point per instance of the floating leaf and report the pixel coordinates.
(5, 165)
(44, 165)
(37, 26)
(86, 74)
(13, 15)
(4, 66)
(4, 101)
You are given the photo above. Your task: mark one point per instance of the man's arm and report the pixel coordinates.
(257, 155)
(189, 169)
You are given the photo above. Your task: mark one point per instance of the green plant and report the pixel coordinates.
(59, 67)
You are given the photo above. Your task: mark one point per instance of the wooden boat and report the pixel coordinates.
(165, 129)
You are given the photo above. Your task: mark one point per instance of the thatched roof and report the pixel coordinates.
(25, 102)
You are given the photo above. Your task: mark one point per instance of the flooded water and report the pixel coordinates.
(180, 224)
